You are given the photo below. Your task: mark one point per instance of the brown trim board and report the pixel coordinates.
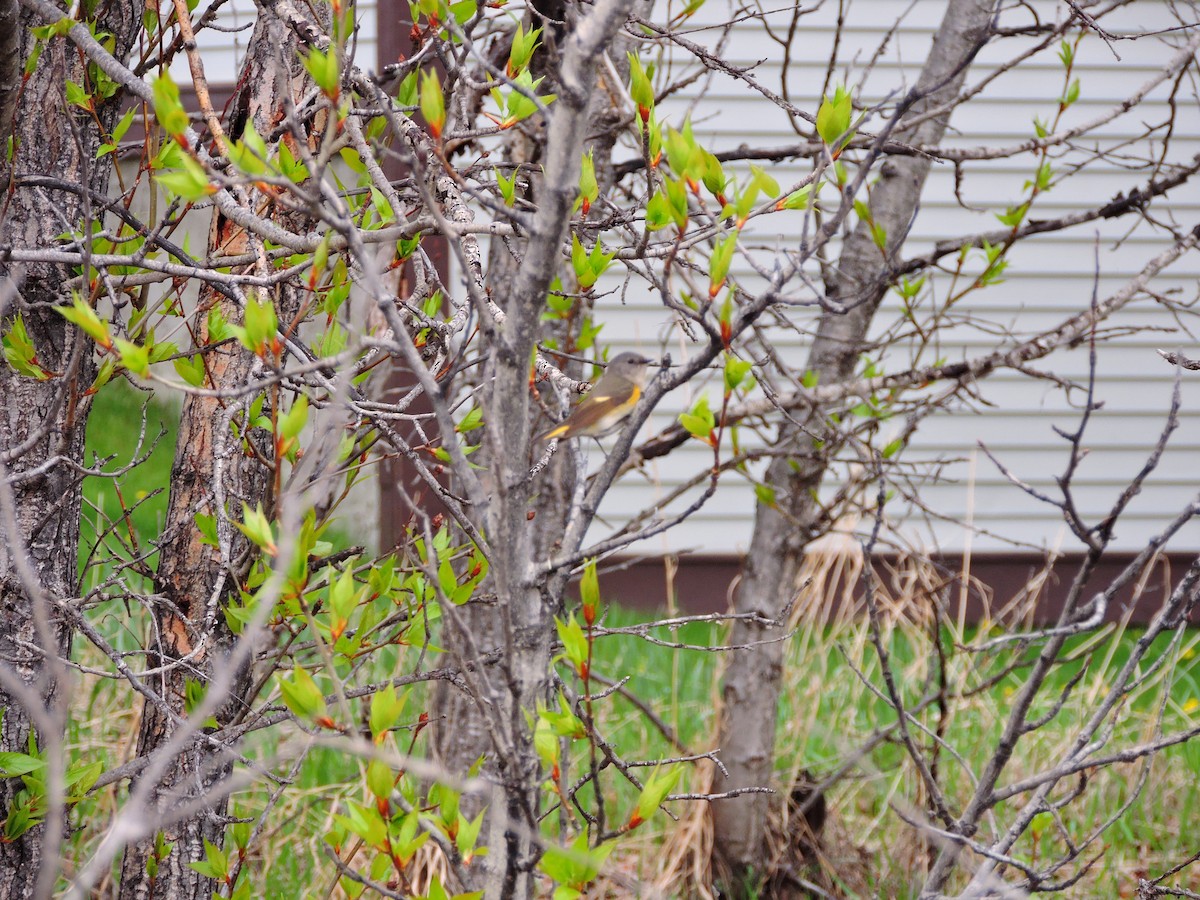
(706, 584)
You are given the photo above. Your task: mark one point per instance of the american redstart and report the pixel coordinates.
(610, 400)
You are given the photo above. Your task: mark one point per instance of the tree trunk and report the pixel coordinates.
(193, 581)
(42, 419)
(461, 735)
(11, 58)
(519, 529)
(782, 530)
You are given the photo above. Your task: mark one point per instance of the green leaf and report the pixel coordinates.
(39, 45)
(406, 94)
(564, 722)
(1014, 215)
(719, 262)
(640, 88)
(683, 155)
(207, 526)
(714, 176)
(191, 369)
(1072, 93)
(77, 96)
(255, 526)
(799, 199)
(736, 371)
(301, 694)
(545, 742)
(515, 105)
(764, 182)
(657, 787)
(122, 126)
(16, 764)
(161, 350)
(189, 182)
(910, 288)
(292, 169)
(366, 823)
(168, 107)
(19, 351)
(217, 327)
(471, 420)
(589, 584)
(216, 863)
(589, 189)
(351, 158)
(658, 212)
(293, 423)
(250, 153)
(590, 265)
(433, 104)
(81, 777)
(386, 709)
(463, 11)
(575, 643)
(523, 46)
(669, 204)
(1066, 54)
(380, 779)
(574, 867)
(700, 422)
(467, 838)
(260, 325)
(833, 116)
(133, 357)
(108, 368)
(508, 187)
(381, 206)
(344, 596)
(323, 68)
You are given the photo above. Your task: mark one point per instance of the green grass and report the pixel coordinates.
(825, 713)
(138, 498)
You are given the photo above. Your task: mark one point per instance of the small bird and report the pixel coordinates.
(607, 404)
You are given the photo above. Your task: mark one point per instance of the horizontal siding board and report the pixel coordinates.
(1049, 279)
(222, 50)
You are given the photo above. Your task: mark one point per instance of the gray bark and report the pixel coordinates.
(42, 422)
(461, 735)
(10, 66)
(781, 531)
(522, 621)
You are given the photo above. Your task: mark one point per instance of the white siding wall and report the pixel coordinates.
(222, 50)
(1049, 279)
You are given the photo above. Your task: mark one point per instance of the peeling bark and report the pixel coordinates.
(192, 580)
